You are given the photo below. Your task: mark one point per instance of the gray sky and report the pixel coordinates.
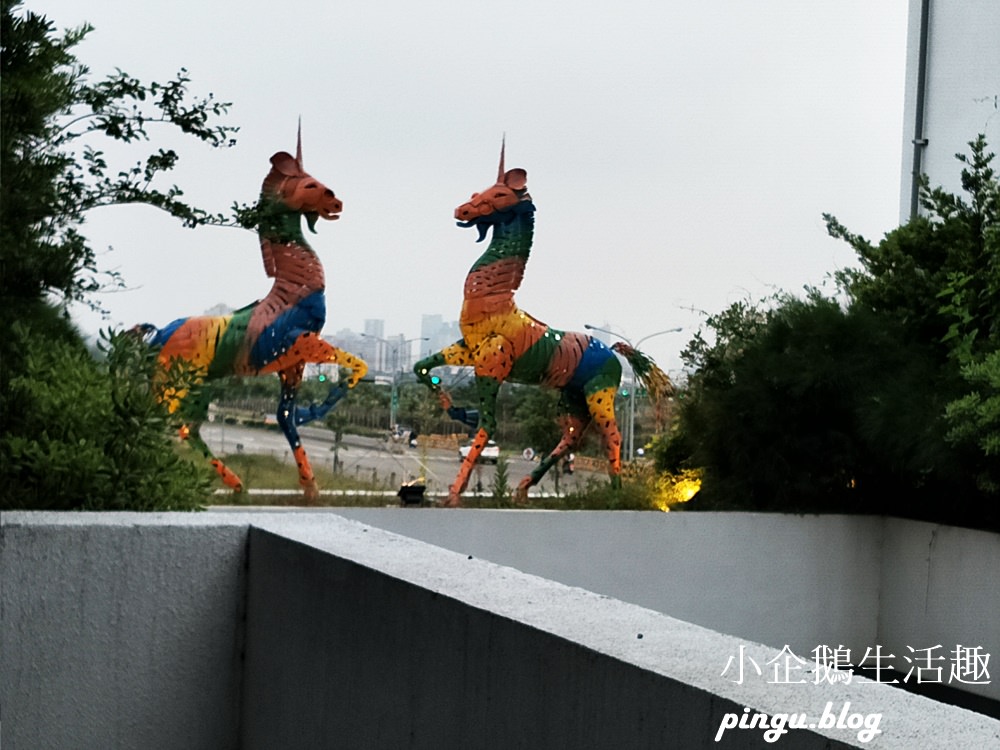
(680, 153)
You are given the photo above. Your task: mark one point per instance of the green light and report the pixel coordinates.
(435, 380)
(322, 378)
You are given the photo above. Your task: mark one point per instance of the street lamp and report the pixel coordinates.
(393, 398)
(630, 446)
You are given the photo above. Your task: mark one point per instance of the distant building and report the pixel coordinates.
(219, 310)
(952, 91)
(375, 328)
(384, 356)
(352, 342)
(438, 334)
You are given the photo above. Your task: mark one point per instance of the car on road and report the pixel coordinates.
(489, 455)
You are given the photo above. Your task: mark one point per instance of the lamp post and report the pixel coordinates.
(395, 371)
(630, 445)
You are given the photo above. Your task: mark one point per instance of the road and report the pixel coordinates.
(376, 459)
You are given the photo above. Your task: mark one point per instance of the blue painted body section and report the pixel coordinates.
(307, 316)
(595, 357)
(166, 332)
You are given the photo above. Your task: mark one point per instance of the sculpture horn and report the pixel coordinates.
(503, 144)
(298, 146)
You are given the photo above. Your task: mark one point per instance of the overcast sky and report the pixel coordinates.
(680, 153)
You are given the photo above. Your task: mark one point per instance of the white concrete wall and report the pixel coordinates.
(382, 641)
(804, 581)
(963, 83)
(127, 631)
(940, 586)
(120, 631)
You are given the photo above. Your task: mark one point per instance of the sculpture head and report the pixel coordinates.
(498, 203)
(292, 187)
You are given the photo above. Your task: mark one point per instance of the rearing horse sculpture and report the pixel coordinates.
(503, 343)
(278, 334)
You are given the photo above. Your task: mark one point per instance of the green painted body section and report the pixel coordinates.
(232, 340)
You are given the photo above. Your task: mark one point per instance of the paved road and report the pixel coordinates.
(371, 458)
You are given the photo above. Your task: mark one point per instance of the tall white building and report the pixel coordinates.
(952, 91)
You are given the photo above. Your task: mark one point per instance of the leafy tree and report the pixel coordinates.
(887, 401)
(78, 433)
(86, 435)
(536, 412)
(805, 417)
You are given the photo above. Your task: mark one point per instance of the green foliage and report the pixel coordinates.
(500, 488)
(826, 409)
(80, 433)
(89, 435)
(886, 402)
(50, 118)
(635, 494)
(974, 421)
(939, 275)
(536, 411)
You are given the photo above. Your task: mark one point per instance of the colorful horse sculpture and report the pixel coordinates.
(278, 334)
(503, 343)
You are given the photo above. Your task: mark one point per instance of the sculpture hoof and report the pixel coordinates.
(310, 491)
(453, 501)
(521, 493)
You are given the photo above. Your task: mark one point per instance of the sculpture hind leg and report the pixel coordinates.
(601, 404)
(192, 433)
(193, 408)
(573, 419)
(290, 380)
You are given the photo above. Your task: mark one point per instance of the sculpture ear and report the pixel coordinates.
(286, 164)
(516, 179)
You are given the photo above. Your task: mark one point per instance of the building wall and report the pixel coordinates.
(961, 93)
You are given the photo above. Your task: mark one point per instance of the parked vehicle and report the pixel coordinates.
(489, 455)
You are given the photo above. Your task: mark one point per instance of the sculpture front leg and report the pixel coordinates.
(290, 380)
(468, 464)
(358, 367)
(457, 355)
(492, 368)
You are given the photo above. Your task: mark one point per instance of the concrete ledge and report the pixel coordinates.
(122, 630)
(801, 581)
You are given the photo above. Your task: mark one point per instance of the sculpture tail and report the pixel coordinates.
(144, 331)
(654, 380)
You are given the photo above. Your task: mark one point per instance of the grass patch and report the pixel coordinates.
(638, 492)
(269, 472)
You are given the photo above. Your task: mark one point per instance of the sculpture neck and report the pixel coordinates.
(511, 238)
(493, 279)
(288, 258)
(278, 223)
